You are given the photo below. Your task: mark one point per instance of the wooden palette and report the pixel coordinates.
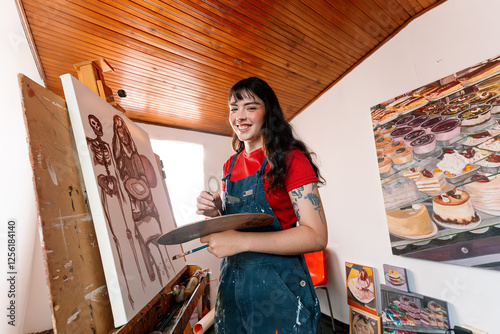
(240, 221)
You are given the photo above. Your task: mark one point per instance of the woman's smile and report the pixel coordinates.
(246, 117)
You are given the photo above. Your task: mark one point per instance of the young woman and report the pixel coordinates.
(265, 286)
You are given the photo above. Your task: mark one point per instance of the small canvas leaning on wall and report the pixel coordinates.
(438, 151)
(129, 204)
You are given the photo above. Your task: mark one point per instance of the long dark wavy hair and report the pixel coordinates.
(277, 134)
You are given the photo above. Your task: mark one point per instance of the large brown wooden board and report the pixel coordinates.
(78, 292)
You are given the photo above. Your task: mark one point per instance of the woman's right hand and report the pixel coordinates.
(205, 204)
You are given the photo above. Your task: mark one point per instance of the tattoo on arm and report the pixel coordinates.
(298, 193)
(315, 201)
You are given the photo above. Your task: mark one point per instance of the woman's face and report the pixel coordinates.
(246, 117)
(362, 328)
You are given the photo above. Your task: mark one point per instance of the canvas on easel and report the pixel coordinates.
(129, 204)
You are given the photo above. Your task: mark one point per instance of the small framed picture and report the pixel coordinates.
(395, 277)
(361, 287)
(361, 322)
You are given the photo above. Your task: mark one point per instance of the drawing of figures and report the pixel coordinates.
(109, 186)
(137, 175)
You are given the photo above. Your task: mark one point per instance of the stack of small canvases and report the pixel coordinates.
(397, 310)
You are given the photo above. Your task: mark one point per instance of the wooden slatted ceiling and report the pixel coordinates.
(177, 59)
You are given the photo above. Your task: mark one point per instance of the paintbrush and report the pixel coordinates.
(216, 207)
(189, 252)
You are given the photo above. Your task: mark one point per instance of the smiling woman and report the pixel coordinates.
(272, 172)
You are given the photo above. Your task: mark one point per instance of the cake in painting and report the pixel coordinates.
(455, 109)
(427, 125)
(492, 144)
(412, 136)
(402, 155)
(483, 98)
(453, 163)
(475, 154)
(418, 121)
(401, 132)
(454, 207)
(433, 108)
(392, 147)
(407, 103)
(426, 90)
(495, 106)
(424, 144)
(447, 129)
(445, 89)
(475, 116)
(431, 182)
(480, 137)
(485, 192)
(413, 173)
(400, 192)
(382, 142)
(411, 221)
(462, 99)
(384, 165)
(386, 129)
(403, 121)
(482, 72)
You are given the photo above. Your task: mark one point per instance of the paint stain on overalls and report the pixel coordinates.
(263, 293)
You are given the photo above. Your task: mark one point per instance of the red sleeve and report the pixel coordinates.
(300, 171)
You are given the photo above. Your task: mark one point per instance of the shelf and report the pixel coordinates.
(412, 329)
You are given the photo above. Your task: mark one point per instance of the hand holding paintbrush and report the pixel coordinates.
(209, 204)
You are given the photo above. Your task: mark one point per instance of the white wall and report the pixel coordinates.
(451, 37)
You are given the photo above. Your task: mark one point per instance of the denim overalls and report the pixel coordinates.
(262, 293)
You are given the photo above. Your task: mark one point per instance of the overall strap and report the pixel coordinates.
(261, 169)
(231, 167)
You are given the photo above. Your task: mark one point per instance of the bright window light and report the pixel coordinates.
(183, 166)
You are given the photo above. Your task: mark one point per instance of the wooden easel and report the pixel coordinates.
(74, 272)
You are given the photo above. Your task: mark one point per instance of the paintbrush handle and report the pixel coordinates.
(216, 207)
(189, 252)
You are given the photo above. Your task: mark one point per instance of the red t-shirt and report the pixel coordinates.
(300, 172)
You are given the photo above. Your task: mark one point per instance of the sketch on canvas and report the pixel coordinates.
(129, 206)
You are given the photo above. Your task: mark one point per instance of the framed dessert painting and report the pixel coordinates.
(360, 285)
(395, 277)
(438, 152)
(413, 312)
(361, 322)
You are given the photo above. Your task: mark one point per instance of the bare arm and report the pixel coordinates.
(310, 235)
